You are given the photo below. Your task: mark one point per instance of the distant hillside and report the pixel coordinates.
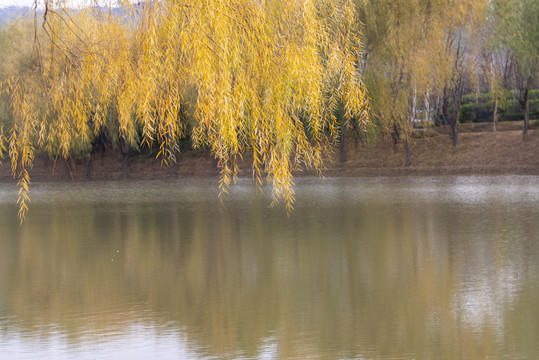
(10, 13)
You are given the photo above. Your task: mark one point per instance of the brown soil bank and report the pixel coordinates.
(502, 152)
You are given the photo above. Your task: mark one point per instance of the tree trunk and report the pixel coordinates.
(454, 134)
(125, 166)
(452, 121)
(526, 115)
(125, 160)
(342, 158)
(495, 114)
(89, 168)
(102, 146)
(408, 146)
(68, 169)
(395, 134)
(451, 113)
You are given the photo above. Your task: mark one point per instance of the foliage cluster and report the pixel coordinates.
(480, 107)
(420, 55)
(235, 76)
(423, 57)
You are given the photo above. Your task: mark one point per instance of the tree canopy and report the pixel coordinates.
(417, 53)
(239, 76)
(517, 33)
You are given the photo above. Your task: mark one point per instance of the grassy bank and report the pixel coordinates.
(502, 152)
(479, 152)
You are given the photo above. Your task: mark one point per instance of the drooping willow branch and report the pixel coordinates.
(263, 77)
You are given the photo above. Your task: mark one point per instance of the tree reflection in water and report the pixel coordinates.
(362, 269)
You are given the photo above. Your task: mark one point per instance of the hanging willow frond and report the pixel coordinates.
(264, 78)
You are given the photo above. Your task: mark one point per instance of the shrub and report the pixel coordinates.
(480, 107)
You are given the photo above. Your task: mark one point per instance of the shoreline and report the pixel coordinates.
(478, 153)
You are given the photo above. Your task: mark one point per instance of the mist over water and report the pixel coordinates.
(380, 268)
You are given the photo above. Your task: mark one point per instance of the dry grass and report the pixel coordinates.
(502, 152)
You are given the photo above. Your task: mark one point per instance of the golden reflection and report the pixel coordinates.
(406, 280)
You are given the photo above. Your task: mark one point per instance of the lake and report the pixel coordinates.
(375, 268)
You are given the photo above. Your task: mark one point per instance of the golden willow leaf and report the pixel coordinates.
(237, 76)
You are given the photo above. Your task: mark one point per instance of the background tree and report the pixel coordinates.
(494, 70)
(517, 30)
(397, 73)
(416, 51)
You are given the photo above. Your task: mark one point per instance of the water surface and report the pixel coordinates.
(419, 268)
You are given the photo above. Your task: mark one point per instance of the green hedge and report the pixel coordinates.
(509, 95)
(508, 109)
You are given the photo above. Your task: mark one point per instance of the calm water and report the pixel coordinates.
(423, 268)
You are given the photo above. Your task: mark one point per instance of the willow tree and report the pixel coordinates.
(495, 66)
(417, 50)
(264, 78)
(400, 54)
(462, 28)
(517, 32)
